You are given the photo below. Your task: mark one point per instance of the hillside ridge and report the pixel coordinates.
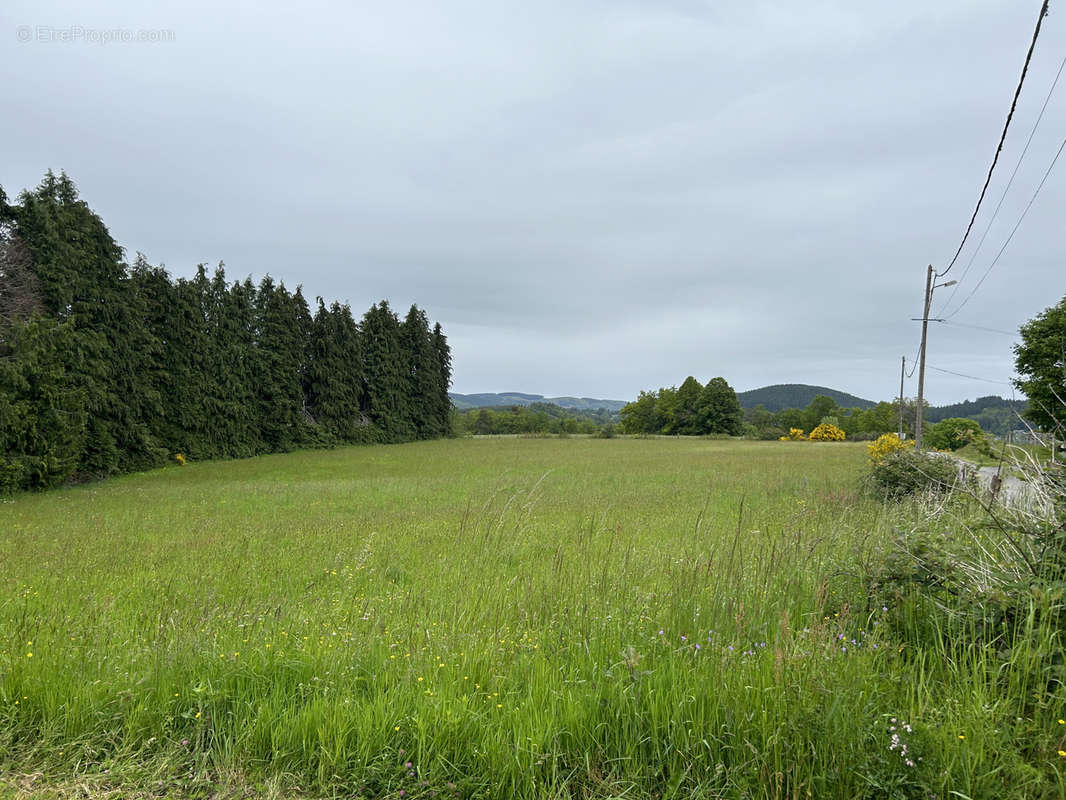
(493, 399)
(780, 396)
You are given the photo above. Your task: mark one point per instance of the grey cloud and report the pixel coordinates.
(593, 197)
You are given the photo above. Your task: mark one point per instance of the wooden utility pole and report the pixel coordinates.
(921, 359)
(929, 286)
(902, 370)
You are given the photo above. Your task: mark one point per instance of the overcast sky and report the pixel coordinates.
(593, 197)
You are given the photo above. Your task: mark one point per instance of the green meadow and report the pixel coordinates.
(497, 618)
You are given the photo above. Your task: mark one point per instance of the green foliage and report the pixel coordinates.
(797, 395)
(953, 433)
(718, 410)
(907, 472)
(106, 367)
(994, 414)
(691, 410)
(1040, 360)
(42, 408)
(537, 418)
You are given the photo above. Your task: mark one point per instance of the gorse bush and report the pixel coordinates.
(794, 435)
(906, 472)
(887, 444)
(827, 432)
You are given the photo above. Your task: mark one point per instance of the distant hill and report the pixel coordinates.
(797, 395)
(994, 414)
(493, 399)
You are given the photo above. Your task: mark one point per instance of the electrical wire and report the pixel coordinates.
(1003, 136)
(1014, 230)
(1002, 197)
(914, 361)
(974, 327)
(964, 375)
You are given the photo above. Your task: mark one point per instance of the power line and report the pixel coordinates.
(964, 375)
(974, 327)
(1014, 230)
(1003, 136)
(914, 361)
(1002, 197)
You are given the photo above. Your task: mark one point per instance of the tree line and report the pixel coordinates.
(107, 367)
(695, 410)
(688, 410)
(535, 418)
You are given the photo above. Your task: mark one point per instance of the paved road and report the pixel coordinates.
(1012, 490)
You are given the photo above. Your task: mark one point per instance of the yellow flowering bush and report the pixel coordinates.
(180, 458)
(794, 435)
(827, 432)
(887, 444)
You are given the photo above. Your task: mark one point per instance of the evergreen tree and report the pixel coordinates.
(105, 367)
(334, 379)
(442, 403)
(423, 378)
(280, 351)
(42, 406)
(385, 374)
(82, 279)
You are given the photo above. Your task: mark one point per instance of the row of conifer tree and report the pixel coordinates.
(107, 367)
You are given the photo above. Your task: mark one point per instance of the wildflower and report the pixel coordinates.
(1062, 722)
(1062, 753)
(407, 765)
(962, 735)
(396, 729)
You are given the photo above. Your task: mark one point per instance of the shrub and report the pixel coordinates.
(906, 472)
(827, 432)
(953, 433)
(794, 435)
(885, 445)
(769, 434)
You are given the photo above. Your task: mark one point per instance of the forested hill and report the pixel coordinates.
(494, 399)
(797, 395)
(994, 414)
(109, 367)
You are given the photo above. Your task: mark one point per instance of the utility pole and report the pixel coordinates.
(902, 370)
(929, 286)
(921, 359)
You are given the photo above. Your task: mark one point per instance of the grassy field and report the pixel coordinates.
(491, 618)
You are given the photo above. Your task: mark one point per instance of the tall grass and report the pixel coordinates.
(495, 618)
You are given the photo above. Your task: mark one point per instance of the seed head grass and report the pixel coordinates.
(500, 618)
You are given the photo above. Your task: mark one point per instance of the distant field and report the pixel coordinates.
(475, 618)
